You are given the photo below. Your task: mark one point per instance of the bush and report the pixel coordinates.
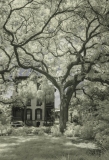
(69, 133)
(9, 130)
(46, 129)
(41, 133)
(35, 130)
(77, 130)
(101, 131)
(28, 130)
(105, 142)
(101, 126)
(55, 131)
(72, 130)
(102, 140)
(87, 132)
(18, 132)
(5, 129)
(22, 131)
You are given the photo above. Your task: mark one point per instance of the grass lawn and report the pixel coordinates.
(44, 148)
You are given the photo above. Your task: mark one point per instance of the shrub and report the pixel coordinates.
(5, 129)
(28, 130)
(105, 142)
(40, 132)
(72, 130)
(18, 132)
(46, 129)
(9, 130)
(55, 131)
(69, 133)
(35, 130)
(87, 132)
(102, 140)
(101, 131)
(102, 125)
(105, 131)
(77, 130)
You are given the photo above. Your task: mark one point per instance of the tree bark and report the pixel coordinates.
(63, 112)
(62, 122)
(66, 111)
(25, 115)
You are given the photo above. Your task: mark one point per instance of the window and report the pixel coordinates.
(39, 103)
(28, 102)
(29, 114)
(38, 114)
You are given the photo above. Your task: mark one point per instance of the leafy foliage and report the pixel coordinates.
(5, 114)
(27, 89)
(95, 113)
(55, 131)
(66, 41)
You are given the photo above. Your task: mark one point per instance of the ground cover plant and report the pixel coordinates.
(45, 148)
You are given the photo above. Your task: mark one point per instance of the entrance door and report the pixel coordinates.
(38, 124)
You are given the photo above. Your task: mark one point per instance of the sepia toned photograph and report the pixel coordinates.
(54, 80)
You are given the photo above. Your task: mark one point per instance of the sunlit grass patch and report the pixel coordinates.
(47, 148)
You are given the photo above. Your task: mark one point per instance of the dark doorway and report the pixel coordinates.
(48, 113)
(38, 124)
(17, 114)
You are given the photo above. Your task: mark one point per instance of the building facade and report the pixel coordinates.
(35, 113)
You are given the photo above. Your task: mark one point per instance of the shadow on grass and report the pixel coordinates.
(44, 148)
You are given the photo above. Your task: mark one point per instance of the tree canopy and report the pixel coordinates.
(66, 41)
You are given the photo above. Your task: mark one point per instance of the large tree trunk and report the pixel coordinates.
(25, 114)
(62, 120)
(63, 113)
(64, 106)
(66, 111)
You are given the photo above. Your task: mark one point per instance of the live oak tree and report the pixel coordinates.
(65, 40)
